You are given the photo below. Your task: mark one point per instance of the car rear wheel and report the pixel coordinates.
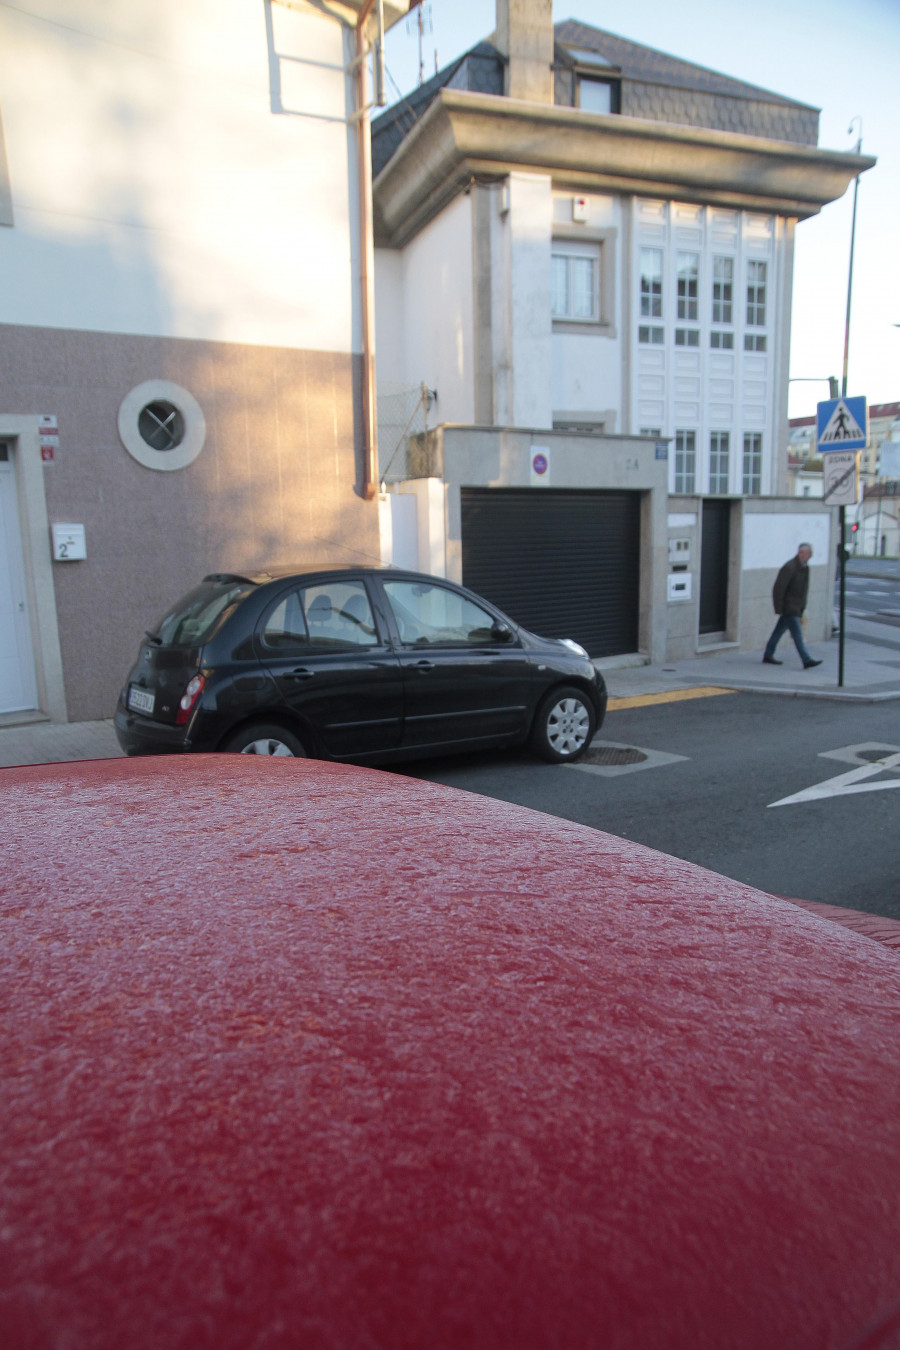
(564, 726)
(266, 740)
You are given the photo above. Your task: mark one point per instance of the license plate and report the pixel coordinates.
(141, 700)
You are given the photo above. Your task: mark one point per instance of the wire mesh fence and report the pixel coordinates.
(403, 431)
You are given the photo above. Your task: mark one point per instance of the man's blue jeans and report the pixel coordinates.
(788, 623)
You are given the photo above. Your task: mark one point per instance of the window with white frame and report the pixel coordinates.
(575, 279)
(685, 461)
(756, 294)
(687, 337)
(720, 338)
(755, 342)
(718, 461)
(688, 277)
(723, 290)
(752, 477)
(651, 283)
(652, 333)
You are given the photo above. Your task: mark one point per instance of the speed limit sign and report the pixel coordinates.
(840, 486)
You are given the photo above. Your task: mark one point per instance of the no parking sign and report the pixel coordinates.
(540, 465)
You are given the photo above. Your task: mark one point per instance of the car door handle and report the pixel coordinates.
(423, 665)
(300, 673)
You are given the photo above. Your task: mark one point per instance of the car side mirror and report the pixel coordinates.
(501, 632)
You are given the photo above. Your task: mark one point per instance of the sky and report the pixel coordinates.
(842, 58)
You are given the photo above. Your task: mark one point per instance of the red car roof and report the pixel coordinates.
(300, 1055)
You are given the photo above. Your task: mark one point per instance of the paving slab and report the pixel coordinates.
(57, 742)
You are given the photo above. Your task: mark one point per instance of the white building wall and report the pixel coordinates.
(587, 365)
(528, 298)
(182, 168)
(423, 306)
(705, 389)
(390, 336)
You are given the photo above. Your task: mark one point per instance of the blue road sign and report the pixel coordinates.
(842, 424)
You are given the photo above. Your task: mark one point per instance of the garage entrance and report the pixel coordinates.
(562, 562)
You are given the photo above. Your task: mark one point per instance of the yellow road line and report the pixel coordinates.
(670, 696)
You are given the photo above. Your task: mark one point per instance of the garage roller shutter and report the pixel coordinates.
(563, 563)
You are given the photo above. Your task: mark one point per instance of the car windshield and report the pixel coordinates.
(195, 617)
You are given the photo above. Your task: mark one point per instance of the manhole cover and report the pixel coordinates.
(613, 754)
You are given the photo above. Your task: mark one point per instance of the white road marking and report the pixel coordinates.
(847, 784)
(863, 752)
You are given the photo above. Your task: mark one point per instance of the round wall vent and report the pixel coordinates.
(161, 425)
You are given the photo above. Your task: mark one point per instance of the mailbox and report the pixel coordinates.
(679, 553)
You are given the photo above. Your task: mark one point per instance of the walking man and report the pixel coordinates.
(789, 598)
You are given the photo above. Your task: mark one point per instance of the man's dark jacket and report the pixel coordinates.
(791, 588)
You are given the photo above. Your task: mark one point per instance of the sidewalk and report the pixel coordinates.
(871, 669)
(54, 742)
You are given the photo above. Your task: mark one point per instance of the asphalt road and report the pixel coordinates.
(715, 805)
(711, 777)
(875, 596)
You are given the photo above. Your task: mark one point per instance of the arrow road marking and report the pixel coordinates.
(846, 784)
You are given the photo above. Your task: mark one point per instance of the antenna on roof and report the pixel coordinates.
(424, 26)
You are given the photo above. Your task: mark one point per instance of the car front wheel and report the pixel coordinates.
(266, 740)
(564, 726)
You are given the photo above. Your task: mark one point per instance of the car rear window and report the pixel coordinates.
(197, 615)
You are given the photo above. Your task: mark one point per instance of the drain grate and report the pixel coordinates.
(613, 755)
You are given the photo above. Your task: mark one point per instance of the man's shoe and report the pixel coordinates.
(770, 661)
(808, 665)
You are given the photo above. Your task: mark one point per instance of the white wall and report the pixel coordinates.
(705, 389)
(529, 298)
(179, 167)
(587, 367)
(390, 340)
(423, 307)
(875, 526)
(770, 540)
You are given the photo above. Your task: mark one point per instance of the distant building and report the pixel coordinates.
(878, 513)
(801, 439)
(875, 515)
(805, 476)
(884, 426)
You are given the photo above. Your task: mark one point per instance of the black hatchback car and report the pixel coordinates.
(353, 663)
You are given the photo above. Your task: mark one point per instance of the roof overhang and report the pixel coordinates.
(348, 11)
(466, 135)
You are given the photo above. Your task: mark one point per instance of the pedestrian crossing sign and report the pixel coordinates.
(842, 424)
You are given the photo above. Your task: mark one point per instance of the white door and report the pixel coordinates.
(17, 683)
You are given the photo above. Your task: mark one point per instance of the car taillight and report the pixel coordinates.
(189, 698)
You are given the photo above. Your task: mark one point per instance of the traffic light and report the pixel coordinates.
(854, 527)
(833, 386)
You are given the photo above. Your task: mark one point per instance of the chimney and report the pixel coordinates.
(525, 37)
